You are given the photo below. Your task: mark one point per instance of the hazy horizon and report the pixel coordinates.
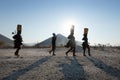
(40, 18)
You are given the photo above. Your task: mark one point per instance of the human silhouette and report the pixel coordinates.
(53, 44)
(71, 43)
(17, 40)
(85, 43)
(71, 32)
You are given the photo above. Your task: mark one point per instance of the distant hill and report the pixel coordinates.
(5, 42)
(61, 41)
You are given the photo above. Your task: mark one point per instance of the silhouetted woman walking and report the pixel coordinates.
(53, 44)
(85, 43)
(71, 43)
(18, 40)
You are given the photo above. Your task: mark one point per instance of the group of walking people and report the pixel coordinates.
(70, 44)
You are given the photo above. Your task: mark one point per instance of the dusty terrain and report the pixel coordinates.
(38, 64)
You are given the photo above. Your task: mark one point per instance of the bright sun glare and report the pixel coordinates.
(67, 26)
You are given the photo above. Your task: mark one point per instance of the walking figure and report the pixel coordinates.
(53, 44)
(18, 40)
(85, 43)
(71, 43)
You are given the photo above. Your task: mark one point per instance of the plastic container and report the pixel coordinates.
(85, 30)
(19, 27)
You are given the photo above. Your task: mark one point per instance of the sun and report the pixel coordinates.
(67, 25)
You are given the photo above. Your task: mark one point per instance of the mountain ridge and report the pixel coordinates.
(5, 41)
(60, 42)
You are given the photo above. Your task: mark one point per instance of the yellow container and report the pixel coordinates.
(19, 27)
(85, 30)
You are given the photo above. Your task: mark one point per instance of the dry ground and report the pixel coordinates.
(38, 64)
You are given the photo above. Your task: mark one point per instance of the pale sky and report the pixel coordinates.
(40, 18)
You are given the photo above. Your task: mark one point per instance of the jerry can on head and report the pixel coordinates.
(19, 27)
(72, 29)
(85, 30)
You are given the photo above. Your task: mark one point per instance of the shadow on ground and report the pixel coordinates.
(73, 71)
(17, 74)
(106, 68)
